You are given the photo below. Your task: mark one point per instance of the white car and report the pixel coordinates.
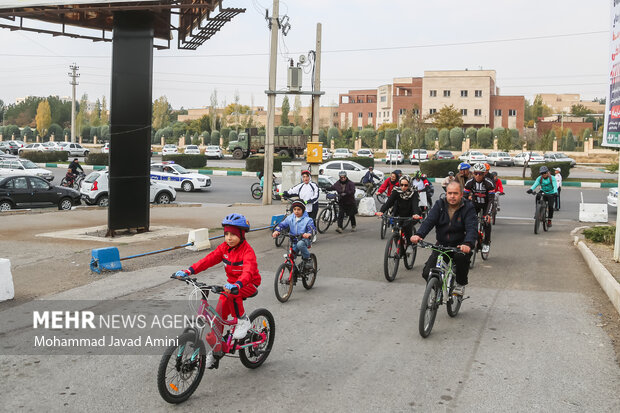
(214, 151)
(192, 150)
(472, 157)
(366, 153)
(33, 147)
(178, 177)
(394, 156)
(106, 148)
(418, 155)
(327, 155)
(95, 190)
(355, 172)
(612, 197)
(342, 153)
(521, 158)
(500, 159)
(52, 146)
(16, 166)
(170, 149)
(74, 149)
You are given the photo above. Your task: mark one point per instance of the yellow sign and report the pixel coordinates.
(314, 152)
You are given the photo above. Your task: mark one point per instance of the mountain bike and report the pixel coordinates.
(540, 214)
(77, 181)
(257, 190)
(397, 247)
(479, 242)
(386, 222)
(439, 287)
(382, 198)
(329, 214)
(182, 365)
(288, 273)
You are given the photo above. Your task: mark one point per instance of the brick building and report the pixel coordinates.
(357, 108)
(507, 112)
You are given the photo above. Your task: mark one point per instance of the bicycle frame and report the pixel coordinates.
(290, 260)
(444, 268)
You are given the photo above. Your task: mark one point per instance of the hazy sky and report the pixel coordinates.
(548, 46)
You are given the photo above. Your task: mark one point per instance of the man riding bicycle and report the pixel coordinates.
(549, 188)
(464, 175)
(72, 171)
(456, 225)
(482, 191)
(369, 180)
(307, 191)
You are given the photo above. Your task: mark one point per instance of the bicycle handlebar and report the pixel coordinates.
(217, 289)
(400, 220)
(441, 248)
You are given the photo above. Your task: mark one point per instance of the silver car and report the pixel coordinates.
(214, 151)
(500, 159)
(559, 157)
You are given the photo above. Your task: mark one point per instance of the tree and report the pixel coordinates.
(406, 141)
(333, 133)
(368, 136)
(298, 131)
(215, 138)
(390, 137)
(297, 111)
(504, 141)
(178, 129)
(286, 107)
(485, 138)
(569, 144)
(546, 141)
(447, 117)
(444, 138)
(27, 133)
(514, 138)
(2, 110)
(161, 113)
(55, 130)
(386, 126)
(43, 118)
(538, 110)
(81, 119)
(431, 135)
(11, 132)
(105, 132)
(95, 115)
(104, 111)
(471, 133)
(456, 138)
(580, 110)
(213, 111)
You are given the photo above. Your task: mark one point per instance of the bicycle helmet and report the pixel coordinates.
(342, 173)
(463, 166)
(299, 203)
(450, 173)
(494, 174)
(487, 166)
(479, 167)
(236, 220)
(543, 170)
(417, 175)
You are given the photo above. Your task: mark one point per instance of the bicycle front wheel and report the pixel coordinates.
(181, 369)
(454, 302)
(280, 238)
(473, 257)
(409, 256)
(262, 323)
(544, 217)
(257, 191)
(310, 276)
(283, 283)
(324, 220)
(382, 198)
(391, 258)
(384, 225)
(537, 220)
(428, 310)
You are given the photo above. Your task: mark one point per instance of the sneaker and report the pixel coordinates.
(548, 223)
(485, 248)
(458, 290)
(339, 230)
(353, 228)
(308, 264)
(314, 237)
(211, 361)
(242, 327)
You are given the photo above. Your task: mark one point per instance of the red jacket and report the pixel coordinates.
(389, 185)
(498, 185)
(239, 262)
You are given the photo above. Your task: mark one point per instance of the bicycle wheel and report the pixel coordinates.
(494, 212)
(310, 276)
(382, 198)
(384, 225)
(537, 220)
(256, 190)
(485, 255)
(454, 302)
(409, 256)
(181, 369)
(280, 238)
(428, 309)
(262, 322)
(324, 220)
(473, 257)
(544, 216)
(283, 283)
(346, 221)
(391, 258)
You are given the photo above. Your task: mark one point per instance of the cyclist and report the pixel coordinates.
(549, 187)
(482, 191)
(558, 179)
(308, 191)
(447, 180)
(72, 171)
(464, 175)
(488, 168)
(420, 183)
(499, 187)
(405, 202)
(301, 226)
(346, 199)
(456, 225)
(369, 180)
(389, 184)
(241, 272)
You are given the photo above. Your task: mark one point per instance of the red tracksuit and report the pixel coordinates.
(388, 185)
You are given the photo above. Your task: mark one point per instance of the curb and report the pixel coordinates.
(527, 182)
(607, 282)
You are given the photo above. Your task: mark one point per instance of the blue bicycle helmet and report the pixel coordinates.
(236, 220)
(464, 165)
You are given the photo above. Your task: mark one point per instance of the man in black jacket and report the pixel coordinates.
(456, 225)
(346, 199)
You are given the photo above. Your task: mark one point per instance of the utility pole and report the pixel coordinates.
(274, 26)
(316, 99)
(73, 75)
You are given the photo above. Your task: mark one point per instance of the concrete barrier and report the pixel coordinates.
(605, 279)
(200, 238)
(7, 289)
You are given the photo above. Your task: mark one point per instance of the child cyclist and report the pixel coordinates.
(241, 271)
(301, 226)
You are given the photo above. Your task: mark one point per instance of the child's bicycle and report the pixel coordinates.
(182, 365)
(440, 284)
(288, 273)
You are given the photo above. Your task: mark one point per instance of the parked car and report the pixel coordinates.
(366, 153)
(612, 197)
(95, 187)
(52, 146)
(5, 148)
(74, 149)
(520, 158)
(178, 177)
(11, 147)
(443, 154)
(22, 191)
(33, 147)
(214, 151)
(394, 156)
(472, 157)
(417, 156)
(500, 159)
(355, 172)
(342, 153)
(559, 157)
(17, 166)
(192, 150)
(170, 149)
(327, 155)
(106, 148)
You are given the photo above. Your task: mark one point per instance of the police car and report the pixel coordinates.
(178, 177)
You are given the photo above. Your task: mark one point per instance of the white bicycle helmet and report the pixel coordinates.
(479, 167)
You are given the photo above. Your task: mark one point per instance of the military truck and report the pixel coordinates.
(249, 142)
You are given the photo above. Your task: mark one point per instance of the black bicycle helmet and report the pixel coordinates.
(543, 170)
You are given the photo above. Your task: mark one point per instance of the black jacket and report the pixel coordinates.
(403, 207)
(462, 229)
(346, 192)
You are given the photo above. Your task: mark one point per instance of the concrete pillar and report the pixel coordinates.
(38, 139)
(524, 149)
(80, 140)
(95, 140)
(555, 145)
(25, 138)
(291, 174)
(221, 142)
(586, 146)
(0, 137)
(331, 144)
(66, 138)
(52, 137)
(202, 141)
(163, 141)
(182, 141)
(436, 144)
(494, 144)
(384, 145)
(465, 145)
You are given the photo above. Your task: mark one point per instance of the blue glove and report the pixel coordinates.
(231, 286)
(182, 273)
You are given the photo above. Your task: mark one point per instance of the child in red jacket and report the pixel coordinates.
(241, 270)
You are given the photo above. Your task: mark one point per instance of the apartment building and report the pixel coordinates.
(563, 103)
(357, 109)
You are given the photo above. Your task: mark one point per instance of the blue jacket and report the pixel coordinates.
(296, 228)
(461, 229)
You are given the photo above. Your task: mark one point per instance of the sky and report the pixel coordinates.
(549, 46)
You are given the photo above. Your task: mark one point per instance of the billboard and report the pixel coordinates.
(611, 133)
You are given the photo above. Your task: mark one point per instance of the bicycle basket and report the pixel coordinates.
(331, 196)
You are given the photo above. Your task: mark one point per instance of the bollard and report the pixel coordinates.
(7, 289)
(199, 238)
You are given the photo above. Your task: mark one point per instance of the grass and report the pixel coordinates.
(605, 234)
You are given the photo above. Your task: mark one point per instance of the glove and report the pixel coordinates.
(230, 286)
(182, 273)
(529, 191)
(285, 194)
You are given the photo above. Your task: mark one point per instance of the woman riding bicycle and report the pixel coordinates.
(405, 202)
(549, 188)
(389, 184)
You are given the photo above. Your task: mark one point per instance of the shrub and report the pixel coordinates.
(55, 130)
(444, 138)
(390, 137)
(471, 132)
(187, 161)
(430, 137)
(224, 132)
(27, 133)
(362, 160)
(612, 167)
(257, 163)
(333, 133)
(97, 159)
(564, 166)
(484, 138)
(51, 156)
(215, 138)
(437, 169)
(604, 233)
(285, 130)
(456, 137)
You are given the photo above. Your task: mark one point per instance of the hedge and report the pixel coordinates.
(564, 166)
(439, 169)
(362, 160)
(41, 157)
(187, 161)
(257, 163)
(97, 159)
